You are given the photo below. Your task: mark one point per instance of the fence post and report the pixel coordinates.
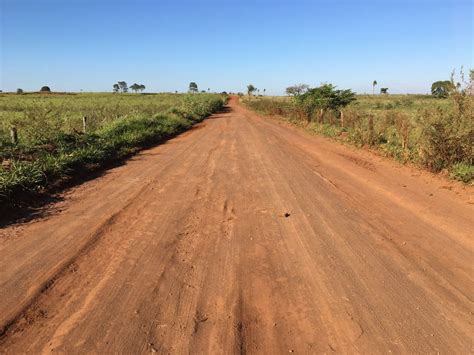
(371, 131)
(84, 124)
(14, 135)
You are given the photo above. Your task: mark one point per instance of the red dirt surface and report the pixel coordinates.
(244, 235)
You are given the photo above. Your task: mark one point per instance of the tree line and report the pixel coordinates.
(439, 89)
(122, 86)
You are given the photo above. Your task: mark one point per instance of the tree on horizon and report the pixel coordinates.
(193, 87)
(251, 89)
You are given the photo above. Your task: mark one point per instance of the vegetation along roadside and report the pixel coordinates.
(48, 138)
(435, 131)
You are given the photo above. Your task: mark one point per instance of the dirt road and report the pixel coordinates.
(244, 235)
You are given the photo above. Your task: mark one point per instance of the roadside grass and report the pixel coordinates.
(436, 134)
(51, 148)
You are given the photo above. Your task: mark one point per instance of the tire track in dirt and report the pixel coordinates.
(103, 221)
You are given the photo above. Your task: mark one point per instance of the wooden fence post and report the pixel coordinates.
(371, 131)
(14, 135)
(84, 124)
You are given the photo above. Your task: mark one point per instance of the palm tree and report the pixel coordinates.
(373, 87)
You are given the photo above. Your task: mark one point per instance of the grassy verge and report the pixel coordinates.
(436, 134)
(36, 164)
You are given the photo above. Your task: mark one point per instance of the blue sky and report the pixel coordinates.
(224, 45)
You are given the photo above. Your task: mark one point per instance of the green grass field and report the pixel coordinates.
(434, 133)
(38, 116)
(51, 142)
